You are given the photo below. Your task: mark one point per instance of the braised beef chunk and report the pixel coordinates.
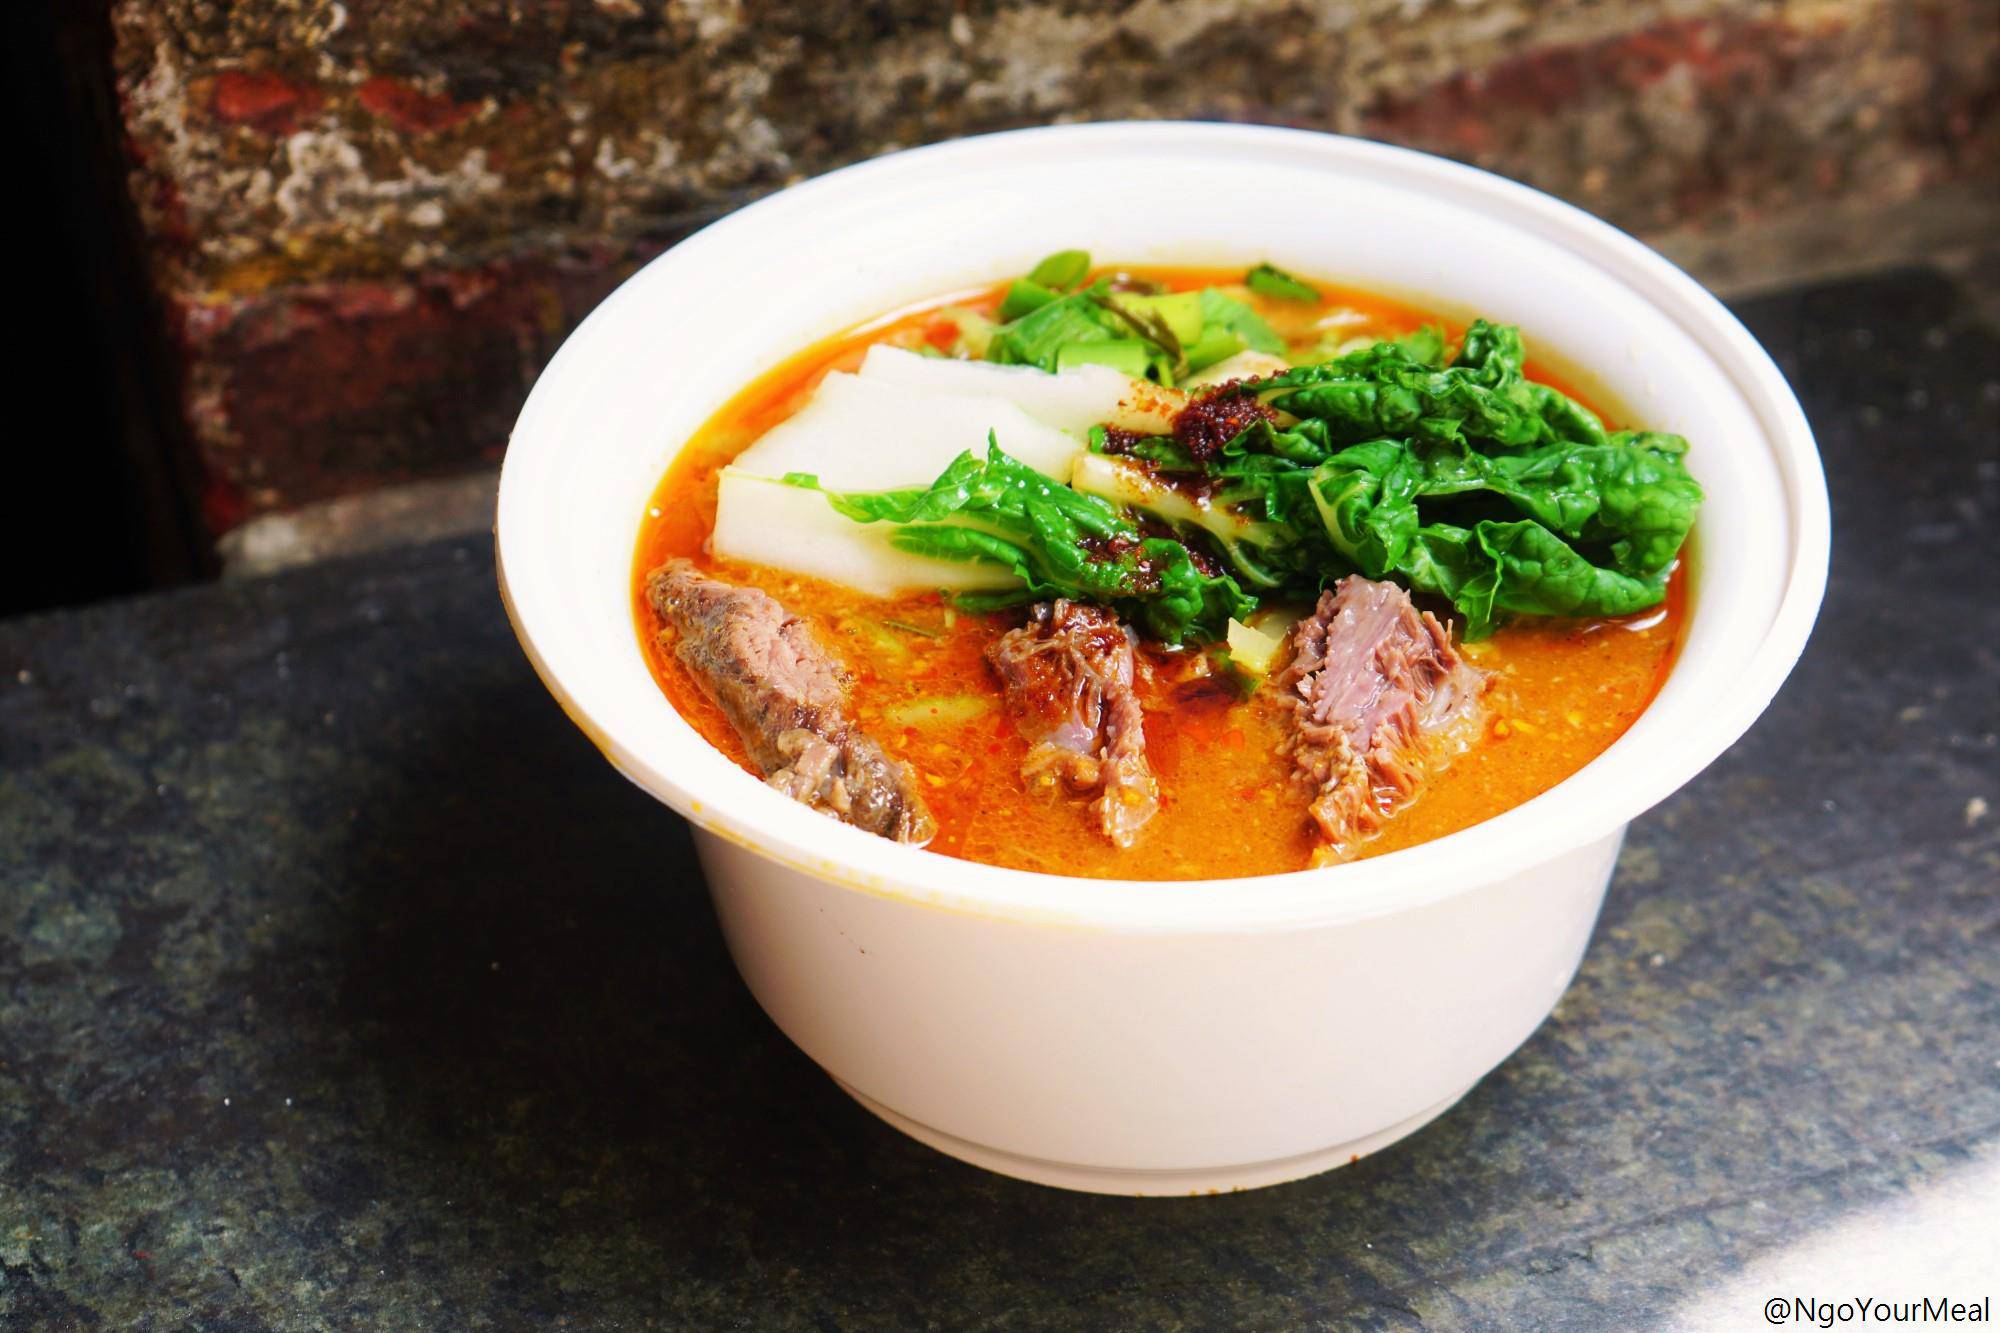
(1378, 697)
(787, 698)
(852, 778)
(761, 664)
(1068, 676)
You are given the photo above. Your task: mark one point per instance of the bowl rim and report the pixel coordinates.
(1504, 845)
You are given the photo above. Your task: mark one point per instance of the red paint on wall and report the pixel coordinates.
(1456, 115)
(411, 109)
(408, 378)
(267, 102)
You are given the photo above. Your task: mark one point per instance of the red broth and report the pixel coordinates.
(1562, 691)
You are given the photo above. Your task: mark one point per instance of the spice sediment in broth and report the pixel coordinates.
(1561, 690)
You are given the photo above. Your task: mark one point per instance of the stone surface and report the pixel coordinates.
(392, 516)
(371, 223)
(342, 984)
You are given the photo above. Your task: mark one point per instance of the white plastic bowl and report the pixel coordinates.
(1143, 1037)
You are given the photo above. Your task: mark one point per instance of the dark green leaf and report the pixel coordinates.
(1539, 575)
(1385, 390)
(1267, 280)
(1056, 542)
(1465, 481)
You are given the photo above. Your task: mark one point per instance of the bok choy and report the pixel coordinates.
(1056, 541)
(1056, 317)
(1458, 477)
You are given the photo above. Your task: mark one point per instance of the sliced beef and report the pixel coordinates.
(1068, 675)
(1378, 697)
(787, 698)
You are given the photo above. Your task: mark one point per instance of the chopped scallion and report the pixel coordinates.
(1268, 280)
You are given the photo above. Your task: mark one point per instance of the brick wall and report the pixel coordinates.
(371, 222)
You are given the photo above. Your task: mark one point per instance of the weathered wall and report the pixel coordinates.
(372, 222)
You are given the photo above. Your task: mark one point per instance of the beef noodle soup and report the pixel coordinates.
(1164, 573)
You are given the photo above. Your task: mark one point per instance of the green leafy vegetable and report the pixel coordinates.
(1461, 478)
(1132, 356)
(1024, 297)
(1140, 313)
(1467, 481)
(1227, 313)
(1179, 312)
(1213, 346)
(1062, 270)
(1628, 504)
(1386, 390)
(1266, 555)
(1050, 329)
(1052, 310)
(1044, 284)
(1056, 541)
(1269, 280)
(1037, 337)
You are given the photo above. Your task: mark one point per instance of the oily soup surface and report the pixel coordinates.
(1561, 691)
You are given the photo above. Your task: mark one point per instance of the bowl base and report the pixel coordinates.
(1155, 1184)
